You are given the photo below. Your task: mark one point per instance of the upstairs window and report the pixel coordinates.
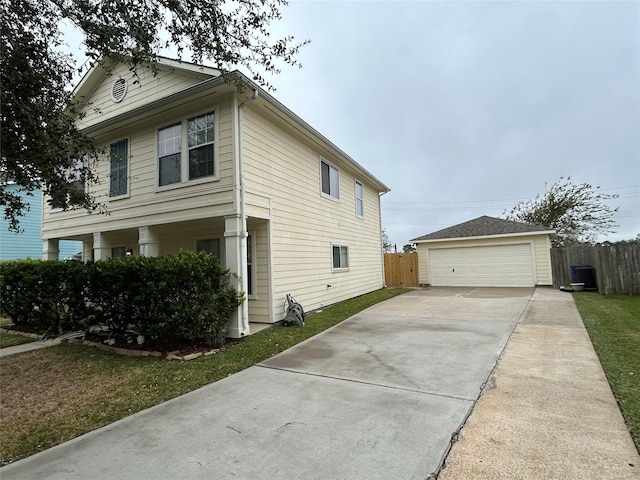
(359, 200)
(196, 137)
(169, 154)
(200, 141)
(73, 175)
(119, 156)
(330, 180)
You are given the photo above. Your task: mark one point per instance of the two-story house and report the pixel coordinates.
(194, 164)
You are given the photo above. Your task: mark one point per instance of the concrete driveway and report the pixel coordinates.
(377, 397)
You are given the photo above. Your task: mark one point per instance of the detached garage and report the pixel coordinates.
(486, 252)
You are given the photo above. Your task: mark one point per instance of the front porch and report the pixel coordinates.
(244, 254)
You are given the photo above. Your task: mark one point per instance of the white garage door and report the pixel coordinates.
(491, 266)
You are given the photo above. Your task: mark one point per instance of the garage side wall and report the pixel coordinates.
(540, 249)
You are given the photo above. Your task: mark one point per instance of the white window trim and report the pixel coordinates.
(254, 295)
(340, 269)
(355, 194)
(331, 165)
(128, 194)
(184, 152)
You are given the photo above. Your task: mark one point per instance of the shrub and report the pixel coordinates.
(187, 295)
(19, 284)
(44, 295)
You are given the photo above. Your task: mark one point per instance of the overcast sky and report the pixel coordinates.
(464, 108)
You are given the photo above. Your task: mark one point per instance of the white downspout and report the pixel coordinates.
(384, 283)
(243, 216)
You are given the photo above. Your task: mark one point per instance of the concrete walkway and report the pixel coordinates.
(379, 397)
(27, 347)
(548, 412)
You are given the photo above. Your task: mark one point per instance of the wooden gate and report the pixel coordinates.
(401, 270)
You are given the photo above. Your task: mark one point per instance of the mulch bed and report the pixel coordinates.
(170, 347)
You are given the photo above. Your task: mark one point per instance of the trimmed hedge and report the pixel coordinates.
(187, 295)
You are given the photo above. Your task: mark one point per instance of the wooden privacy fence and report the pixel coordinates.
(401, 269)
(616, 267)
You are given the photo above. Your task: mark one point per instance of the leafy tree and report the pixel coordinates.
(41, 147)
(576, 212)
(386, 245)
(409, 248)
(632, 241)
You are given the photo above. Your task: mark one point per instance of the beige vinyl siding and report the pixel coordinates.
(259, 305)
(286, 168)
(422, 250)
(100, 106)
(146, 203)
(539, 244)
(257, 205)
(186, 209)
(177, 237)
(541, 249)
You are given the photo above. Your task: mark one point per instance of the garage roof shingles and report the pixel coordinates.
(483, 226)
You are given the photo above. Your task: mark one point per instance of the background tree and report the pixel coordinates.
(40, 145)
(578, 213)
(632, 241)
(409, 248)
(386, 245)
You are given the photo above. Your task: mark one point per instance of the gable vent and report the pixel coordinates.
(119, 90)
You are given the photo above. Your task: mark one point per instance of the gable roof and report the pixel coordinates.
(210, 78)
(100, 70)
(484, 227)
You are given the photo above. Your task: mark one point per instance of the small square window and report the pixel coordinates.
(340, 255)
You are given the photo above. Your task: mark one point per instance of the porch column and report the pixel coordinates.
(236, 261)
(148, 242)
(101, 247)
(50, 249)
(87, 250)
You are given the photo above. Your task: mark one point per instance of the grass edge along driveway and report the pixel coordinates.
(613, 323)
(52, 395)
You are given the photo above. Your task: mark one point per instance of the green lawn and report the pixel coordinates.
(55, 394)
(5, 322)
(613, 323)
(11, 339)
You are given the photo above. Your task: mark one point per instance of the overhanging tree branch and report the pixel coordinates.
(40, 144)
(578, 213)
